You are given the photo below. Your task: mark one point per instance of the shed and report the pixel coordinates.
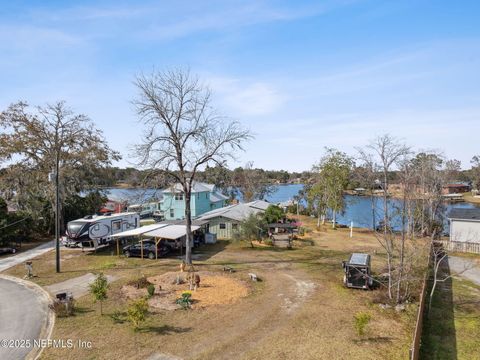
(465, 225)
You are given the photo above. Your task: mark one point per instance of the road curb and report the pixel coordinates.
(47, 328)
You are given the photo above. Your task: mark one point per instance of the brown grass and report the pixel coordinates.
(299, 310)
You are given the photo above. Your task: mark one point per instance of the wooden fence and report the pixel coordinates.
(460, 246)
(417, 335)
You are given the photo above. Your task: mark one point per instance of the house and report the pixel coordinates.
(204, 198)
(225, 221)
(113, 206)
(465, 225)
(456, 188)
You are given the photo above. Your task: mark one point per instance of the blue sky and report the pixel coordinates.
(300, 74)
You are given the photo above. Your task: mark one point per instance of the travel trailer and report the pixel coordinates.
(95, 230)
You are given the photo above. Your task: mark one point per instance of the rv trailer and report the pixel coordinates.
(95, 230)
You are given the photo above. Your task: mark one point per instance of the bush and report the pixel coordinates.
(361, 321)
(185, 301)
(151, 290)
(137, 312)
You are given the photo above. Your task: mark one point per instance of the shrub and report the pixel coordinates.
(151, 290)
(185, 301)
(361, 321)
(137, 312)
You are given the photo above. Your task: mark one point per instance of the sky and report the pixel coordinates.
(301, 75)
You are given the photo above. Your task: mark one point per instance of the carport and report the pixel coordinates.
(169, 232)
(136, 232)
(157, 231)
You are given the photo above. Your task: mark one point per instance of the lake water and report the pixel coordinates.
(358, 208)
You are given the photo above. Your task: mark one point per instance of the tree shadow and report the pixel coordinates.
(164, 329)
(439, 339)
(82, 310)
(376, 339)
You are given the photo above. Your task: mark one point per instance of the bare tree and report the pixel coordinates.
(251, 183)
(183, 132)
(386, 152)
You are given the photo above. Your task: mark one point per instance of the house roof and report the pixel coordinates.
(216, 197)
(238, 212)
(464, 214)
(196, 187)
(259, 204)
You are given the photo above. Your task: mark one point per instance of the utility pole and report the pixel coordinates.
(57, 212)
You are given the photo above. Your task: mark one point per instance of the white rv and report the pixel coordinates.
(93, 230)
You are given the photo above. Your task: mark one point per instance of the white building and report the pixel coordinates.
(465, 225)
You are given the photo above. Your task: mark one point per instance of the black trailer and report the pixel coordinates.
(357, 272)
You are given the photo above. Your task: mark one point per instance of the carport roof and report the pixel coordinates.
(171, 232)
(139, 231)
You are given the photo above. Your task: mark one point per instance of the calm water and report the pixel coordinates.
(358, 208)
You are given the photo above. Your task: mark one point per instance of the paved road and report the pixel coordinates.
(459, 264)
(23, 315)
(11, 261)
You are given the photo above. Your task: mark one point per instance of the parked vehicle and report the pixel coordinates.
(94, 230)
(149, 251)
(7, 250)
(357, 272)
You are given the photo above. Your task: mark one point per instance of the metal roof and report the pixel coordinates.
(196, 187)
(464, 214)
(139, 231)
(359, 259)
(171, 231)
(238, 212)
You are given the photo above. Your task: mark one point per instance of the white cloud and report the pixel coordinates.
(247, 98)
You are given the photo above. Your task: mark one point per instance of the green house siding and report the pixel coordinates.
(214, 226)
(199, 204)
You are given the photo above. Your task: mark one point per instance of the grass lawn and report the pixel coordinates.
(299, 310)
(453, 329)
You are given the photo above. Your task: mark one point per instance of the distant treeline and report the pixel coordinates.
(222, 177)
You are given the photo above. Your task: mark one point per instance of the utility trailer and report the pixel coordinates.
(95, 230)
(357, 272)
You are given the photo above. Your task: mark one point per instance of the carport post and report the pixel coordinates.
(156, 248)
(118, 248)
(141, 249)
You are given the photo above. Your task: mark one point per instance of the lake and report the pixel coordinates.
(358, 208)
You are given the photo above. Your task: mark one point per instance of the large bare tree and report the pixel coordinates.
(386, 152)
(183, 133)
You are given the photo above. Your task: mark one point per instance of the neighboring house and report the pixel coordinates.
(114, 206)
(465, 225)
(456, 188)
(224, 222)
(204, 198)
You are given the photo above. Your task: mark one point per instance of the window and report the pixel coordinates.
(234, 226)
(116, 225)
(172, 213)
(223, 226)
(179, 196)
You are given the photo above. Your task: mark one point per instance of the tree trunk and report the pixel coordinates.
(188, 219)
